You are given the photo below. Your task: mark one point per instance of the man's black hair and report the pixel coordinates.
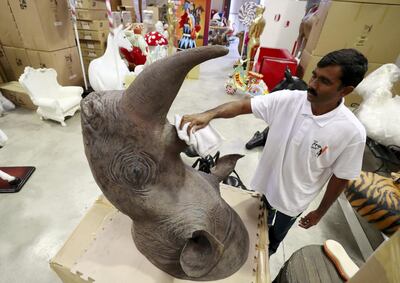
(354, 65)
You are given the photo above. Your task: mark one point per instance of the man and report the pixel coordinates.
(313, 139)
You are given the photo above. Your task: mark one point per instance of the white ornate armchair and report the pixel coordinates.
(54, 101)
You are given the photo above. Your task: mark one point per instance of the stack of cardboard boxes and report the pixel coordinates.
(365, 25)
(130, 11)
(93, 29)
(38, 34)
(93, 25)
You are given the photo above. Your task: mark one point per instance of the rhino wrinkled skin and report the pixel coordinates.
(180, 222)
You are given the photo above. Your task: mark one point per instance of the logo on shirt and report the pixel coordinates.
(318, 149)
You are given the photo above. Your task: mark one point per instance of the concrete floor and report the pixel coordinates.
(37, 221)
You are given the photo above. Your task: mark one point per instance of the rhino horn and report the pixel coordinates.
(151, 94)
(200, 254)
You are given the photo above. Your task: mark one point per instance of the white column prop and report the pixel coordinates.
(111, 26)
(72, 5)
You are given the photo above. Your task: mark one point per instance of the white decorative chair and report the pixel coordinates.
(54, 101)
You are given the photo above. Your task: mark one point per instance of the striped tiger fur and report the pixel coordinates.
(377, 199)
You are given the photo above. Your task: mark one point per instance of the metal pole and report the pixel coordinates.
(72, 5)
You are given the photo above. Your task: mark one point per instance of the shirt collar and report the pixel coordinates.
(321, 120)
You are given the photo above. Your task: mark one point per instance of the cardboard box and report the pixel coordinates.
(44, 25)
(115, 4)
(132, 12)
(117, 19)
(383, 265)
(156, 13)
(97, 4)
(309, 62)
(15, 92)
(92, 53)
(92, 44)
(3, 76)
(194, 73)
(134, 6)
(395, 2)
(65, 62)
(370, 28)
(92, 25)
(90, 15)
(86, 62)
(93, 35)
(106, 232)
(17, 59)
(126, 18)
(6, 67)
(91, 4)
(9, 33)
(126, 2)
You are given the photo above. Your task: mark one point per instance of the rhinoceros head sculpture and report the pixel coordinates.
(180, 222)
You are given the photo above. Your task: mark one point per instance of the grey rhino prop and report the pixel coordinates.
(180, 222)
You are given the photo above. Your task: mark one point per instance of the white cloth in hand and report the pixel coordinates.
(205, 141)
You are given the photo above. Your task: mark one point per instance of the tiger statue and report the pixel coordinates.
(377, 199)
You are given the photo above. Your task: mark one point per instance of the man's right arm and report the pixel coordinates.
(227, 110)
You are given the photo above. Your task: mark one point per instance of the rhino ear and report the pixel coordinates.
(225, 166)
(200, 254)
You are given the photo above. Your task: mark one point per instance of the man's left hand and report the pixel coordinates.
(310, 219)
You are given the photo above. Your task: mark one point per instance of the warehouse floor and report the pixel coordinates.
(37, 221)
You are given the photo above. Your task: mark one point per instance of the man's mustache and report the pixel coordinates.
(312, 91)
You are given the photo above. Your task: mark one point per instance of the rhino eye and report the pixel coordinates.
(133, 169)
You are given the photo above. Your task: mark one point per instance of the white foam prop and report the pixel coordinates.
(108, 71)
(338, 255)
(379, 111)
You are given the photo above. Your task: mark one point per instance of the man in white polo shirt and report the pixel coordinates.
(313, 139)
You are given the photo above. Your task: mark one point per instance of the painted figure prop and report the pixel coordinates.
(139, 46)
(190, 27)
(180, 222)
(172, 21)
(377, 199)
(249, 83)
(255, 31)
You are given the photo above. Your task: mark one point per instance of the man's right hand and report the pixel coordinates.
(197, 121)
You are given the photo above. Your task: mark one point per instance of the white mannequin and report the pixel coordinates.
(108, 71)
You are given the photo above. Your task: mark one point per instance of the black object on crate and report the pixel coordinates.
(206, 163)
(388, 155)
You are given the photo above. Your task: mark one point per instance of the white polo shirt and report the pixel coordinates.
(303, 151)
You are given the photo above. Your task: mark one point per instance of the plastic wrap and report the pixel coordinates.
(380, 110)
